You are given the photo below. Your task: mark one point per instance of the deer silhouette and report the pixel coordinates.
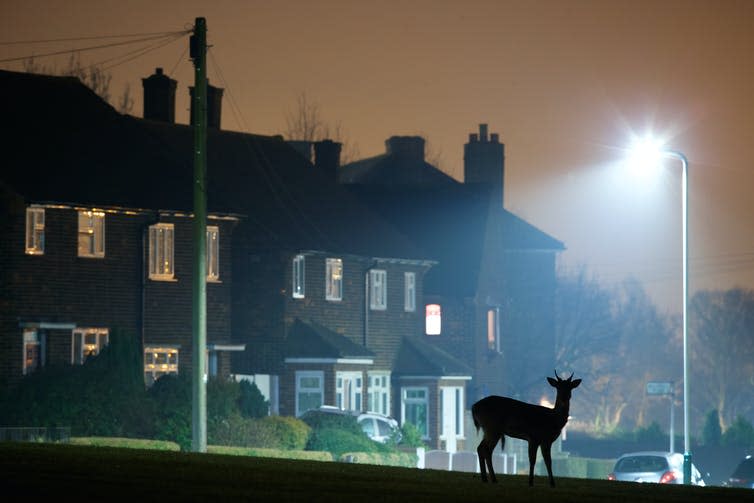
(499, 416)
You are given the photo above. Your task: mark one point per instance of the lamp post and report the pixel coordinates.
(649, 150)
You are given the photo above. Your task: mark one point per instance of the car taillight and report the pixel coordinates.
(611, 476)
(667, 478)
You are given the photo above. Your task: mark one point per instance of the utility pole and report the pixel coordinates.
(198, 53)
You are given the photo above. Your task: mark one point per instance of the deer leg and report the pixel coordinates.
(481, 453)
(548, 462)
(491, 450)
(533, 446)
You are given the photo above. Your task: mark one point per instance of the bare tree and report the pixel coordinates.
(722, 354)
(305, 123)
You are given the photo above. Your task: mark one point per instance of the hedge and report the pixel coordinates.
(130, 443)
(403, 459)
(270, 453)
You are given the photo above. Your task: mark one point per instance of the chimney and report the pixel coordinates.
(327, 157)
(484, 161)
(159, 97)
(409, 148)
(214, 105)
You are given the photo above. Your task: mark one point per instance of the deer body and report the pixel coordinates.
(540, 426)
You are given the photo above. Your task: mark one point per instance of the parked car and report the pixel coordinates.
(378, 427)
(653, 466)
(743, 475)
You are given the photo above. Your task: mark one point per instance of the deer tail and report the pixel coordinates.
(473, 416)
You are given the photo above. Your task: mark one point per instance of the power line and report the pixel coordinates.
(100, 37)
(92, 48)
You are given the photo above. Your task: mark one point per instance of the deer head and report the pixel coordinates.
(564, 387)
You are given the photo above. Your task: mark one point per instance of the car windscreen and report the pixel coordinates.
(642, 464)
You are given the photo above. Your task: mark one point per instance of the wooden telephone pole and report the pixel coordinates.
(198, 53)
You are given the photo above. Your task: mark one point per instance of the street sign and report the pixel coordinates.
(659, 388)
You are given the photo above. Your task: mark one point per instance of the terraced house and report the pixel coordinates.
(311, 293)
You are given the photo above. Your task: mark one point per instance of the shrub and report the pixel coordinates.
(404, 459)
(289, 432)
(251, 402)
(338, 442)
(171, 396)
(652, 433)
(411, 436)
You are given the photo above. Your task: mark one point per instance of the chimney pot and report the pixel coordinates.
(473, 137)
(483, 132)
(495, 138)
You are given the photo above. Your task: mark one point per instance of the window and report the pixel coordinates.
(309, 390)
(87, 342)
(493, 329)
(213, 253)
(378, 289)
(298, 277)
(334, 278)
(433, 319)
(409, 295)
(35, 231)
(33, 350)
(348, 390)
(161, 251)
(91, 234)
(415, 407)
(158, 361)
(378, 392)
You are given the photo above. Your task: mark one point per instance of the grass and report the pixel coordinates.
(29, 471)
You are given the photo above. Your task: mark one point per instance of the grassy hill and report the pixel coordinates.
(29, 471)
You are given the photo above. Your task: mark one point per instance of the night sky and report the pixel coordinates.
(565, 83)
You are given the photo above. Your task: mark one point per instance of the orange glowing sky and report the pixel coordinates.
(564, 83)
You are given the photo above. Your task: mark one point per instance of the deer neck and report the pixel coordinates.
(562, 407)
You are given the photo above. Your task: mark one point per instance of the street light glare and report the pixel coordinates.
(645, 154)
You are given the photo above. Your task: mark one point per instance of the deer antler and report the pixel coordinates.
(570, 377)
(556, 375)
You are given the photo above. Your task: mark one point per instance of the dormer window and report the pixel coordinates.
(378, 290)
(35, 231)
(298, 277)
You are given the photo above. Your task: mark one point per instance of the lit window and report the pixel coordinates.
(415, 408)
(409, 297)
(91, 234)
(161, 239)
(433, 319)
(35, 231)
(493, 329)
(87, 342)
(378, 392)
(298, 277)
(33, 350)
(309, 390)
(213, 253)
(334, 278)
(348, 390)
(159, 361)
(378, 289)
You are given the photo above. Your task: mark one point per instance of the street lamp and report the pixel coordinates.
(647, 153)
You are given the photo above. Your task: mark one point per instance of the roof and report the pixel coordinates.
(385, 169)
(308, 339)
(450, 224)
(68, 145)
(417, 357)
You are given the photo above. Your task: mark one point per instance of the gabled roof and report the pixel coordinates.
(450, 224)
(68, 145)
(310, 340)
(417, 357)
(386, 169)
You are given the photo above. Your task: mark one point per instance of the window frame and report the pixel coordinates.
(493, 329)
(213, 253)
(102, 338)
(320, 390)
(355, 390)
(334, 279)
(32, 338)
(414, 401)
(154, 369)
(432, 320)
(378, 392)
(298, 287)
(91, 234)
(409, 292)
(157, 251)
(35, 230)
(377, 289)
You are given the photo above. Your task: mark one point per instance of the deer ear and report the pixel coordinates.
(552, 382)
(575, 384)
